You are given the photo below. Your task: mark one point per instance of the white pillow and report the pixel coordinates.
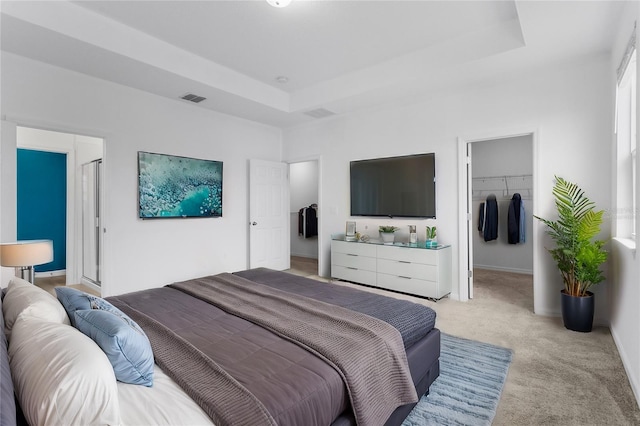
(24, 298)
(61, 376)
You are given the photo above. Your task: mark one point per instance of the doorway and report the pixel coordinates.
(506, 165)
(304, 178)
(501, 207)
(77, 150)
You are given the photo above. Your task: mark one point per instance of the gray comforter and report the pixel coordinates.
(295, 386)
(412, 320)
(222, 397)
(367, 352)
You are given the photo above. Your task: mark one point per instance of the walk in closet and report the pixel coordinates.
(503, 168)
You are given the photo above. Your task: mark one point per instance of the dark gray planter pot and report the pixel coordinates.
(577, 312)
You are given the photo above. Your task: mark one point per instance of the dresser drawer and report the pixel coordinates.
(407, 269)
(354, 261)
(408, 285)
(352, 274)
(413, 255)
(360, 249)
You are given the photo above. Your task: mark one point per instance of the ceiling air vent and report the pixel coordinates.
(193, 98)
(320, 113)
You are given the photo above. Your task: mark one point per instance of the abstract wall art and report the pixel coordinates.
(170, 186)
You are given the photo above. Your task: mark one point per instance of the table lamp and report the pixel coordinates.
(23, 255)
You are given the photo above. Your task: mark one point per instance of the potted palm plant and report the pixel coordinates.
(577, 253)
(387, 233)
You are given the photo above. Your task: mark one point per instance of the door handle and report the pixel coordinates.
(254, 223)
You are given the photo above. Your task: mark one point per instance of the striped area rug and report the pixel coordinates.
(468, 389)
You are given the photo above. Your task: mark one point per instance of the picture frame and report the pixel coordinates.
(171, 186)
(350, 231)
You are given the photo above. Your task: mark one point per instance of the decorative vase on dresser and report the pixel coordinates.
(387, 233)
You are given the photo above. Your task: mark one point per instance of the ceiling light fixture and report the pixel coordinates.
(279, 3)
(282, 79)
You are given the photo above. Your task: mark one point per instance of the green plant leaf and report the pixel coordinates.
(387, 229)
(577, 255)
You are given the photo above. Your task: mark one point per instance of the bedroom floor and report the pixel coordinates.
(49, 283)
(558, 377)
(304, 266)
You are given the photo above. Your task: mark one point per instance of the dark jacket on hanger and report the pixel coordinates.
(308, 221)
(490, 228)
(513, 219)
(301, 221)
(311, 222)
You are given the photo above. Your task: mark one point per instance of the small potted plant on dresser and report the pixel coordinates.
(577, 254)
(387, 233)
(431, 241)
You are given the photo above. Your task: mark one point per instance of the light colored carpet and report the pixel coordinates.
(468, 388)
(50, 283)
(557, 377)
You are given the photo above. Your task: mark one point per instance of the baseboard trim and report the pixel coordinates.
(635, 386)
(51, 273)
(504, 269)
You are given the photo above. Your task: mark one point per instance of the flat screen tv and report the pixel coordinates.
(394, 186)
(173, 187)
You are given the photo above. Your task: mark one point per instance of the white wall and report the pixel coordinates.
(503, 157)
(569, 105)
(303, 178)
(8, 192)
(143, 254)
(623, 287)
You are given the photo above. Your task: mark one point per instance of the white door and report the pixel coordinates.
(469, 221)
(268, 215)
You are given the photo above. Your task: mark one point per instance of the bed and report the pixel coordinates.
(214, 367)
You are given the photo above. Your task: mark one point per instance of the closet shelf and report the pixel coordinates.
(502, 186)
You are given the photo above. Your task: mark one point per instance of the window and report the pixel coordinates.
(626, 204)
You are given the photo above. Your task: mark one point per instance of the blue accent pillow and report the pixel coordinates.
(122, 340)
(73, 300)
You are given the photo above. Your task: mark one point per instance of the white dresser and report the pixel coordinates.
(414, 270)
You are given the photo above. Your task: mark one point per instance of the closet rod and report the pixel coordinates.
(504, 177)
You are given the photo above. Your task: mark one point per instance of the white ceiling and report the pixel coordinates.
(338, 55)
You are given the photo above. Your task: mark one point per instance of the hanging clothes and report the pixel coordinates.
(308, 221)
(513, 219)
(490, 222)
(523, 225)
(301, 221)
(481, 218)
(311, 221)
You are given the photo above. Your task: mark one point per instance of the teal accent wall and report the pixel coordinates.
(42, 202)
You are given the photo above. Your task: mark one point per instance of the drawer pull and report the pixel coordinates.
(352, 268)
(403, 261)
(354, 255)
(406, 278)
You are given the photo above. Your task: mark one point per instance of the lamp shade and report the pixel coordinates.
(26, 253)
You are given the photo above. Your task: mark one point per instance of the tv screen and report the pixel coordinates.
(394, 187)
(173, 187)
